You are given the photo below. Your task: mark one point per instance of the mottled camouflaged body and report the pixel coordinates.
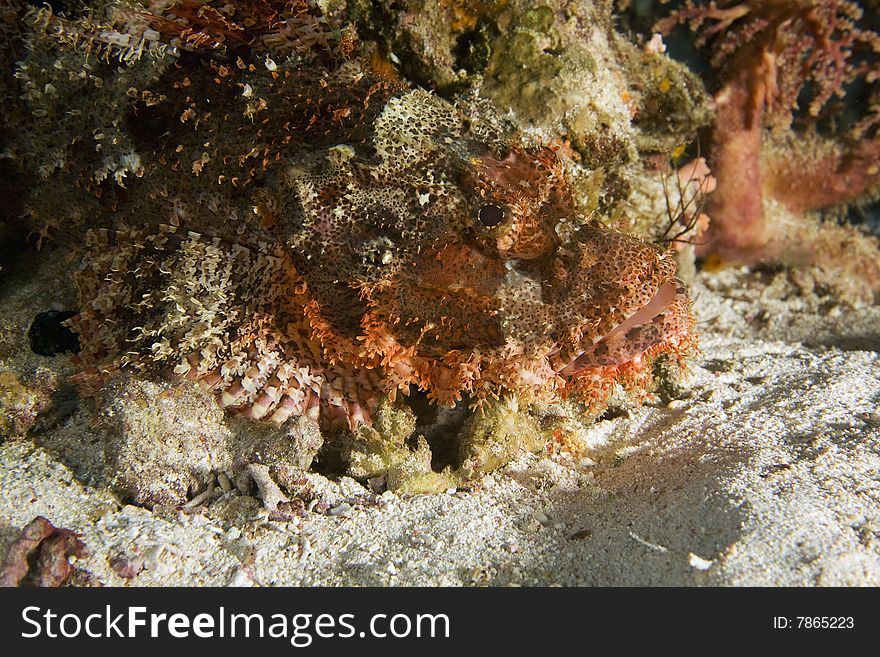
(307, 239)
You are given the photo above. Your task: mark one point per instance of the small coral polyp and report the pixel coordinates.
(307, 238)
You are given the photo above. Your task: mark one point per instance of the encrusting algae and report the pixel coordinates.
(261, 208)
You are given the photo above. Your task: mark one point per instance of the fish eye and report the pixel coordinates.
(490, 215)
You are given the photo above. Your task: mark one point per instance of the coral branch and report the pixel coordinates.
(781, 63)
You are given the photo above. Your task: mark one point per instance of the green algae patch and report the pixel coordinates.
(495, 436)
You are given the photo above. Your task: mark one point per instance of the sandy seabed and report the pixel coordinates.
(763, 470)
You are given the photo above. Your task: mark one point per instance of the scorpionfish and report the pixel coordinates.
(258, 210)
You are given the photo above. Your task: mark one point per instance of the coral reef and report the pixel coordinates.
(407, 453)
(401, 243)
(782, 148)
(260, 209)
(558, 71)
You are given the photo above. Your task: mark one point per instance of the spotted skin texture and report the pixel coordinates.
(307, 238)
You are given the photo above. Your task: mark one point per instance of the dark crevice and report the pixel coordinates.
(49, 336)
(441, 427)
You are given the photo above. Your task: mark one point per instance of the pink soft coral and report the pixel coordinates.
(778, 59)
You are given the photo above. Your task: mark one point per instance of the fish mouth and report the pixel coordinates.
(665, 315)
